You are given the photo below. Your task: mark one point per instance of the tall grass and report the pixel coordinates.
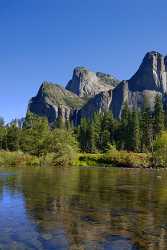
(115, 158)
(18, 159)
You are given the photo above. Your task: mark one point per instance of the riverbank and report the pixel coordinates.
(112, 158)
(116, 158)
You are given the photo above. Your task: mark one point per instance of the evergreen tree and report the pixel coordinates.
(158, 116)
(13, 138)
(135, 133)
(3, 132)
(34, 134)
(107, 130)
(96, 131)
(129, 134)
(86, 136)
(28, 123)
(147, 129)
(124, 126)
(165, 117)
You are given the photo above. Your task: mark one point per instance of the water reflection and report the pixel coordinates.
(83, 208)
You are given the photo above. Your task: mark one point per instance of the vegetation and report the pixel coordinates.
(137, 139)
(135, 136)
(160, 151)
(116, 158)
(36, 143)
(60, 96)
(135, 131)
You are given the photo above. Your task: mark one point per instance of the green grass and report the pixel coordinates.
(115, 158)
(112, 158)
(18, 159)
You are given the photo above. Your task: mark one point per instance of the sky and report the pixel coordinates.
(45, 39)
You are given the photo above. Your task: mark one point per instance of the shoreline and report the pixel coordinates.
(114, 158)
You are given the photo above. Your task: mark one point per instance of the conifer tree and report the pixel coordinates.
(124, 126)
(96, 131)
(135, 133)
(86, 136)
(165, 116)
(13, 138)
(33, 134)
(147, 129)
(158, 116)
(107, 130)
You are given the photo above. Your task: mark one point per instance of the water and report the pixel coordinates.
(83, 209)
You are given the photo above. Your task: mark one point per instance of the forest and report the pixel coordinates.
(137, 138)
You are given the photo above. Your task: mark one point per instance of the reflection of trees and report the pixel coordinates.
(8, 179)
(1, 189)
(89, 204)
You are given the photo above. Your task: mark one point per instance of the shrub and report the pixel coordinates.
(160, 151)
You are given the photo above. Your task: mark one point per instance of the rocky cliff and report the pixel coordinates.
(147, 82)
(86, 83)
(88, 92)
(52, 100)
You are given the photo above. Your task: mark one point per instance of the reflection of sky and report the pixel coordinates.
(16, 230)
(87, 213)
(14, 224)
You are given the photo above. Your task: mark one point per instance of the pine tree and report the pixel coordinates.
(13, 138)
(129, 132)
(33, 135)
(124, 126)
(3, 132)
(165, 116)
(147, 129)
(107, 130)
(96, 131)
(86, 137)
(158, 116)
(135, 133)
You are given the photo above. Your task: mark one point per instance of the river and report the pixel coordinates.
(83, 209)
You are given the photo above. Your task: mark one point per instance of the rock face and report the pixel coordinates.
(99, 103)
(149, 80)
(151, 75)
(52, 101)
(85, 83)
(90, 92)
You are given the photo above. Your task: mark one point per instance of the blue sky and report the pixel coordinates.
(45, 39)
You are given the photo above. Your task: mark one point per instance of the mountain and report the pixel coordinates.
(52, 100)
(88, 92)
(145, 84)
(86, 83)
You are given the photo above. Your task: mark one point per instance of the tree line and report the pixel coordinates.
(38, 139)
(135, 131)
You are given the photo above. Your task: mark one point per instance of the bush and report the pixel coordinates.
(115, 158)
(62, 146)
(127, 159)
(160, 151)
(18, 158)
